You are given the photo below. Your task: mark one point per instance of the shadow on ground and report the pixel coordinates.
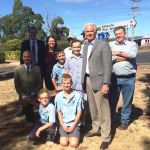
(146, 79)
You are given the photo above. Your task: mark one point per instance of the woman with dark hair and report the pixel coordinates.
(50, 60)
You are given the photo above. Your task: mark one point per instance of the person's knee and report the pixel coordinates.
(63, 141)
(73, 143)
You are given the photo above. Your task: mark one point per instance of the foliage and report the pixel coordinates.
(55, 28)
(12, 55)
(15, 25)
(62, 44)
(2, 57)
(12, 45)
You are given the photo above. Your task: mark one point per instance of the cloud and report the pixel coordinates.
(73, 1)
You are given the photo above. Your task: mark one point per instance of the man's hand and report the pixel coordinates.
(105, 89)
(120, 58)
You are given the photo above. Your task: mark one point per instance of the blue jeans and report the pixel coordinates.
(125, 86)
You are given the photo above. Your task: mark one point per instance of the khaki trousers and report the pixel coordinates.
(100, 112)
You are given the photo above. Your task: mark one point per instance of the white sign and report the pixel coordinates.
(110, 27)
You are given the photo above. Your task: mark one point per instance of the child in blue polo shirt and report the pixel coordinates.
(58, 70)
(69, 109)
(47, 118)
(73, 66)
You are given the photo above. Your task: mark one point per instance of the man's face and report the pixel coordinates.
(44, 99)
(90, 34)
(61, 58)
(26, 58)
(66, 84)
(120, 35)
(32, 34)
(76, 47)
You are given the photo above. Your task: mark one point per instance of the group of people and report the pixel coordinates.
(99, 68)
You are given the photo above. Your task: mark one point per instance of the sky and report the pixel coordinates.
(76, 13)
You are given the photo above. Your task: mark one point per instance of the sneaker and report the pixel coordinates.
(124, 126)
(49, 143)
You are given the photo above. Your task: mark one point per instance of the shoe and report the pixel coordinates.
(124, 126)
(91, 134)
(30, 139)
(104, 145)
(49, 143)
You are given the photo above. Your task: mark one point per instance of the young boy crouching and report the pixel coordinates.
(47, 119)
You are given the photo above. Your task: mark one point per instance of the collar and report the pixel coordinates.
(26, 66)
(71, 98)
(59, 65)
(123, 43)
(91, 43)
(74, 56)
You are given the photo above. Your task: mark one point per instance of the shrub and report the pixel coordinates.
(2, 57)
(61, 45)
(12, 55)
(12, 45)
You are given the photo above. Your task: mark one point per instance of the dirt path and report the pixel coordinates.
(13, 130)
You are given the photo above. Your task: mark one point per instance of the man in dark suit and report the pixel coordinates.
(36, 47)
(96, 73)
(27, 80)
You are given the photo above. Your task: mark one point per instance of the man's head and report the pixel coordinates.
(32, 31)
(120, 34)
(43, 97)
(61, 57)
(76, 47)
(66, 82)
(26, 56)
(71, 38)
(90, 31)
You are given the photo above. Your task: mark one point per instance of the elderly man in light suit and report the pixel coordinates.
(27, 80)
(96, 73)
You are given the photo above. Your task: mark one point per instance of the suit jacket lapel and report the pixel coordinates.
(94, 46)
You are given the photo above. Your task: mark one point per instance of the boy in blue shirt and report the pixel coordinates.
(58, 70)
(47, 119)
(69, 108)
(73, 66)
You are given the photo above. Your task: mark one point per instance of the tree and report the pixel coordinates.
(16, 24)
(55, 28)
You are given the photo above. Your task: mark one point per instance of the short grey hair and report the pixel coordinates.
(91, 24)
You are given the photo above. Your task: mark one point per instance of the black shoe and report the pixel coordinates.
(104, 145)
(124, 126)
(91, 134)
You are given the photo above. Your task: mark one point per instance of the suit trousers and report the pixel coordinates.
(100, 111)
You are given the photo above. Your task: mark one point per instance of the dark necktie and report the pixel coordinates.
(33, 53)
(28, 70)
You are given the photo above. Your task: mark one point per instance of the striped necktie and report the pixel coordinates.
(28, 70)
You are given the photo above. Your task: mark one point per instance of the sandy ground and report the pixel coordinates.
(13, 129)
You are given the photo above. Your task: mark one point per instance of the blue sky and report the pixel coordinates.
(78, 12)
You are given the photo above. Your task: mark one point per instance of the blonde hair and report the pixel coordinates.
(43, 91)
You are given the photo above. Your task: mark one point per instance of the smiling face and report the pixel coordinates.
(61, 57)
(76, 47)
(51, 43)
(26, 57)
(120, 35)
(66, 84)
(44, 99)
(90, 32)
